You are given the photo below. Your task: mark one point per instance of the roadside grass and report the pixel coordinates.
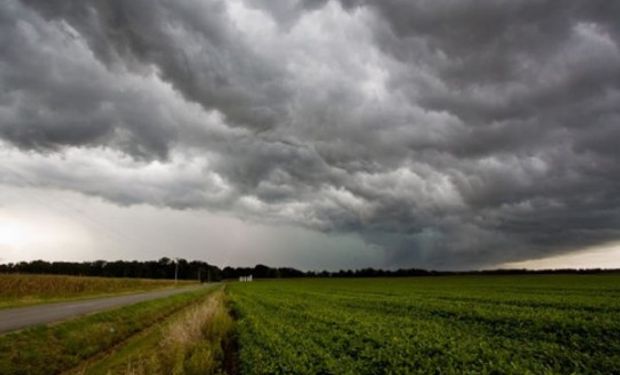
(56, 348)
(196, 340)
(23, 290)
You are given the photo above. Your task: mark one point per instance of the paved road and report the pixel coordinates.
(22, 317)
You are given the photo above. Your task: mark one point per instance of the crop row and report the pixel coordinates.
(420, 325)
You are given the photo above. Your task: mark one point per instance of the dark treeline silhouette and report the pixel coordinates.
(165, 268)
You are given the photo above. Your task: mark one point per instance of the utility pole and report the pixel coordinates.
(176, 270)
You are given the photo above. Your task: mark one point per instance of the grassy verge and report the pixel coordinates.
(196, 340)
(24, 290)
(52, 349)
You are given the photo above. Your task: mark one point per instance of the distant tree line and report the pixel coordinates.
(165, 268)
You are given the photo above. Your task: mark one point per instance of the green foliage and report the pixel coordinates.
(538, 324)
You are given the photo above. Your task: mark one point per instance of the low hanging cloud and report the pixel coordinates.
(450, 134)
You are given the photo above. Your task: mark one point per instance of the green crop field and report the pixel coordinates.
(539, 324)
(526, 324)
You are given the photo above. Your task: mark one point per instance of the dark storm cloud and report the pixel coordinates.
(286, 12)
(450, 133)
(192, 45)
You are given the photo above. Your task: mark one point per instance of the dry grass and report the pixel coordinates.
(27, 289)
(193, 344)
(61, 347)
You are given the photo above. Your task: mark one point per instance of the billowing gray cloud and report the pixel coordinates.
(449, 133)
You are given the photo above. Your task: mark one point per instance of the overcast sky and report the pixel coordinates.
(317, 134)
